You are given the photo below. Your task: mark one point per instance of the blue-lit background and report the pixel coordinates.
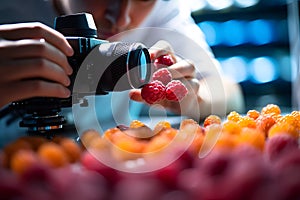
(250, 38)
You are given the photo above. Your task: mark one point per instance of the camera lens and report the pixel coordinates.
(127, 66)
(143, 66)
(138, 62)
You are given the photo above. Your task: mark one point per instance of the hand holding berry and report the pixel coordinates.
(178, 76)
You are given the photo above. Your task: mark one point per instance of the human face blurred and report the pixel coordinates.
(112, 16)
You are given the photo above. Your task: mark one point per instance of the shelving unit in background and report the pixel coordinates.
(252, 45)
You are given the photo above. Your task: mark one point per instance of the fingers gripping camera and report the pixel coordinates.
(99, 66)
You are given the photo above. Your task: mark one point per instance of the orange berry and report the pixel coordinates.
(196, 143)
(253, 137)
(161, 126)
(186, 122)
(53, 154)
(136, 124)
(234, 116)
(157, 144)
(271, 109)
(88, 136)
(290, 119)
(283, 128)
(170, 133)
(127, 149)
(231, 127)
(129, 145)
(113, 134)
(99, 143)
(247, 122)
(254, 114)
(212, 119)
(23, 160)
(71, 148)
(296, 114)
(226, 141)
(264, 123)
(10, 149)
(34, 141)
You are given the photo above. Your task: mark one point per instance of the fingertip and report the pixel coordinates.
(135, 95)
(66, 93)
(69, 50)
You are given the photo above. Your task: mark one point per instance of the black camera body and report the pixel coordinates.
(99, 67)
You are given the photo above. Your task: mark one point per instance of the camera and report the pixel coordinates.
(99, 67)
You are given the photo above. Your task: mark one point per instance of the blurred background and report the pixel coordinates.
(257, 44)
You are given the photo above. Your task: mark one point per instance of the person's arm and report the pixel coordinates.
(33, 62)
(209, 91)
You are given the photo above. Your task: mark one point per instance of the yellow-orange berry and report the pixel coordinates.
(231, 127)
(247, 122)
(226, 141)
(271, 109)
(169, 132)
(113, 134)
(196, 143)
(88, 136)
(264, 123)
(72, 149)
(187, 122)
(136, 124)
(254, 114)
(157, 144)
(129, 145)
(296, 114)
(127, 148)
(99, 143)
(283, 128)
(12, 148)
(52, 154)
(161, 126)
(34, 141)
(234, 116)
(290, 119)
(212, 119)
(253, 137)
(23, 160)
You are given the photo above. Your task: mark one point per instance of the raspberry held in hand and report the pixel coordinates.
(162, 75)
(153, 92)
(176, 91)
(163, 61)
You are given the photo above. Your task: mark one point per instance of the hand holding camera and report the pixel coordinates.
(33, 62)
(98, 67)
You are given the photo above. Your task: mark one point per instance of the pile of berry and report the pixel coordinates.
(255, 156)
(162, 86)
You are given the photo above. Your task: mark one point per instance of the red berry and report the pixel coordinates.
(176, 91)
(280, 145)
(162, 75)
(163, 61)
(153, 92)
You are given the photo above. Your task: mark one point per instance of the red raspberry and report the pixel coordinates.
(162, 75)
(280, 145)
(176, 91)
(153, 92)
(163, 61)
